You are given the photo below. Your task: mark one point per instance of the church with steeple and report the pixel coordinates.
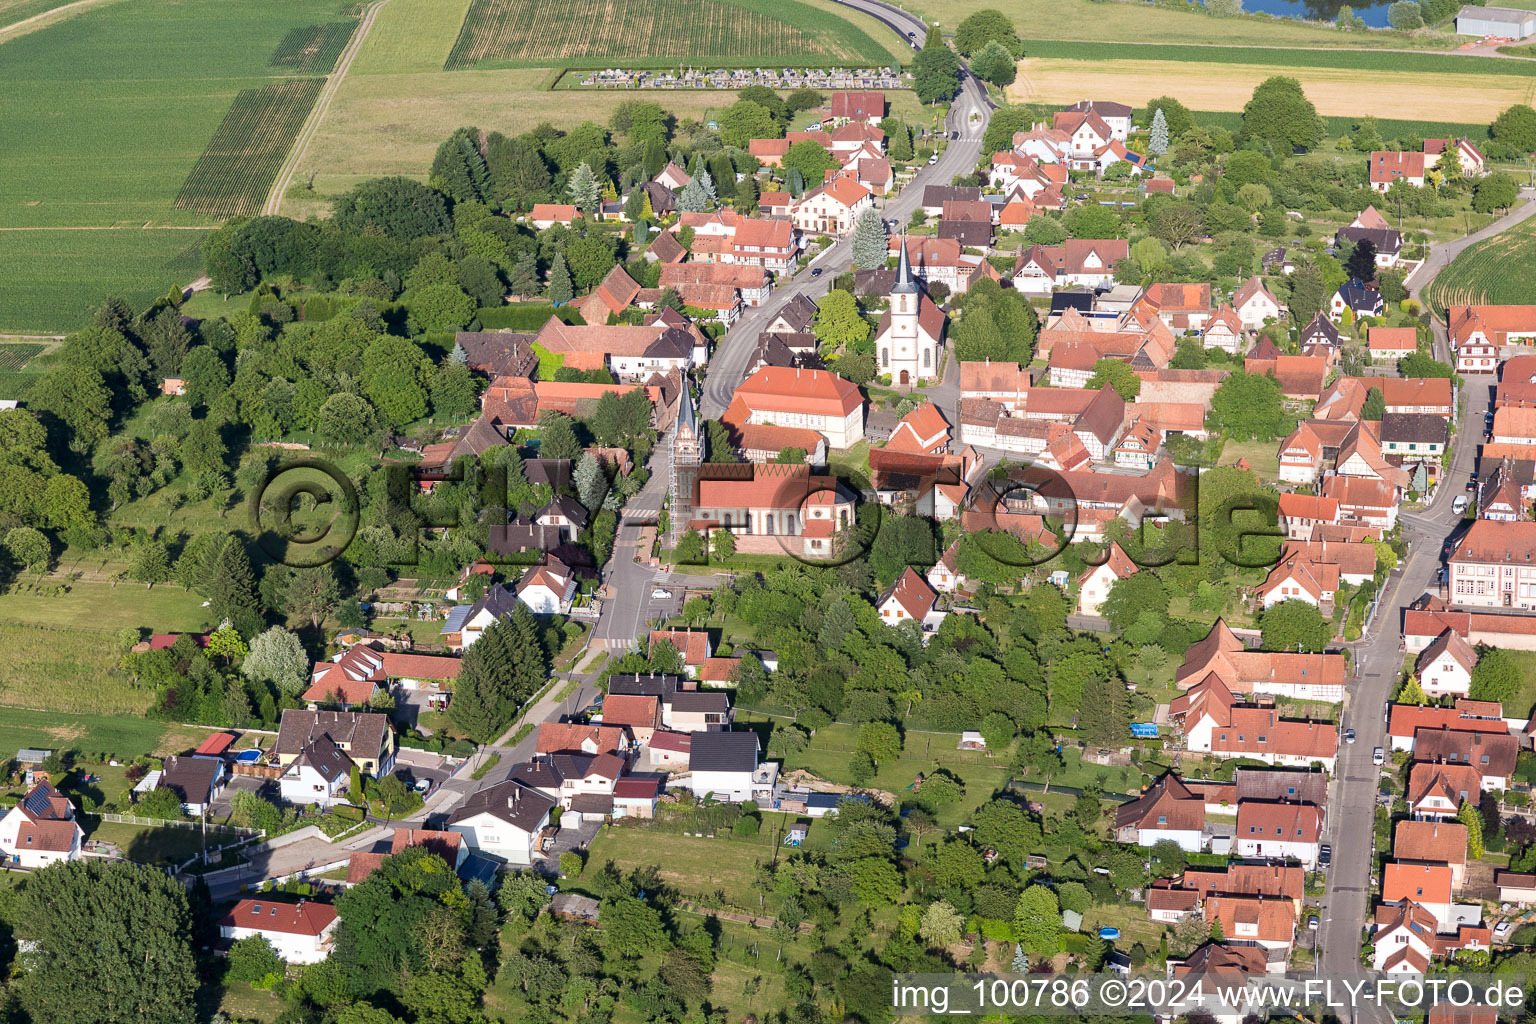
(909, 341)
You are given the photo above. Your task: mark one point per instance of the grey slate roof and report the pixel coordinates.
(723, 752)
(511, 802)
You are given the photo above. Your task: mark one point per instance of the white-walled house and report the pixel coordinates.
(504, 821)
(1278, 831)
(722, 764)
(319, 775)
(301, 932)
(40, 829)
(1095, 583)
(1445, 666)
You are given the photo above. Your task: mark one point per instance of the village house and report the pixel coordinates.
(1469, 159)
(1279, 831)
(365, 737)
(1183, 307)
(1406, 720)
(579, 738)
(626, 351)
(1215, 723)
(545, 215)
(867, 105)
(816, 400)
(1224, 330)
(547, 589)
(195, 780)
(1433, 842)
(1483, 335)
(723, 765)
(1445, 667)
(1095, 583)
(1077, 262)
(1167, 811)
(299, 933)
(504, 821)
(1390, 344)
(775, 509)
(1387, 167)
(318, 776)
(693, 644)
(1222, 654)
(1491, 566)
(909, 599)
(1492, 754)
(1359, 297)
(833, 208)
(1437, 791)
(40, 829)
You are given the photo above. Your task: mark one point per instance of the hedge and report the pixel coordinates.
(526, 316)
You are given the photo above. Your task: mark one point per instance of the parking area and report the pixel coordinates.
(412, 766)
(220, 809)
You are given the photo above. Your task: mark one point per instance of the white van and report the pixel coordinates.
(1460, 504)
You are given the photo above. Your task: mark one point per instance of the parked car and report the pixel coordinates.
(1502, 929)
(1378, 756)
(1325, 855)
(815, 271)
(1460, 504)
(661, 595)
(1349, 735)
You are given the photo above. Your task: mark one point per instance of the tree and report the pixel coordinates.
(1177, 223)
(870, 245)
(150, 564)
(124, 926)
(1308, 292)
(1280, 113)
(1421, 365)
(875, 881)
(936, 73)
(1294, 626)
(724, 544)
(1375, 406)
(693, 198)
(591, 482)
(28, 547)
(746, 120)
(838, 324)
(631, 927)
(232, 592)
(811, 159)
(398, 207)
(1037, 922)
(1177, 116)
(1157, 145)
(584, 190)
(1114, 373)
(942, 925)
(1362, 261)
(501, 670)
(987, 25)
(880, 740)
(1515, 128)
(995, 64)
(1412, 693)
(1469, 816)
(1496, 676)
(441, 307)
(278, 657)
(253, 960)
(79, 397)
(1496, 191)
(1405, 15)
(523, 893)
(559, 291)
(1248, 406)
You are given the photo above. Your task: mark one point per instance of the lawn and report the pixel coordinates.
(697, 867)
(64, 670)
(1525, 700)
(1262, 456)
(149, 844)
(1344, 92)
(556, 33)
(102, 129)
(1497, 270)
(120, 736)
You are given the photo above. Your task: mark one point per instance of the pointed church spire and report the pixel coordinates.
(904, 282)
(687, 420)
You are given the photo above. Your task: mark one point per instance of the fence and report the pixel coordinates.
(129, 819)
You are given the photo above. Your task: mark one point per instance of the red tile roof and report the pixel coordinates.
(303, 918)
(789, 389)
(692, 643)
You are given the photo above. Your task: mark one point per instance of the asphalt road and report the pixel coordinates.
(968, 115)
(1347, 904)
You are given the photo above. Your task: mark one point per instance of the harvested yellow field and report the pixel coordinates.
(1336, 92)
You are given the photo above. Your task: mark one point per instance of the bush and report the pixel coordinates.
(254, 960)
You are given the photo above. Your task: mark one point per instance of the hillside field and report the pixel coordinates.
(1498, 270)
(107, 113)
(1342, 92)
(552, 33)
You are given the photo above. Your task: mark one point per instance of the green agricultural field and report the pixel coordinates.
(1498, 271)
(555, 33)
(120, 736)
(1134, 22)
(15, 355)
(1364, 60)
(107, 113)
(232, 176)
(53, 275)
(313, 49)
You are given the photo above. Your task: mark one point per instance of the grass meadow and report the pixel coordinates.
(1498, 270)
(1362, 60)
